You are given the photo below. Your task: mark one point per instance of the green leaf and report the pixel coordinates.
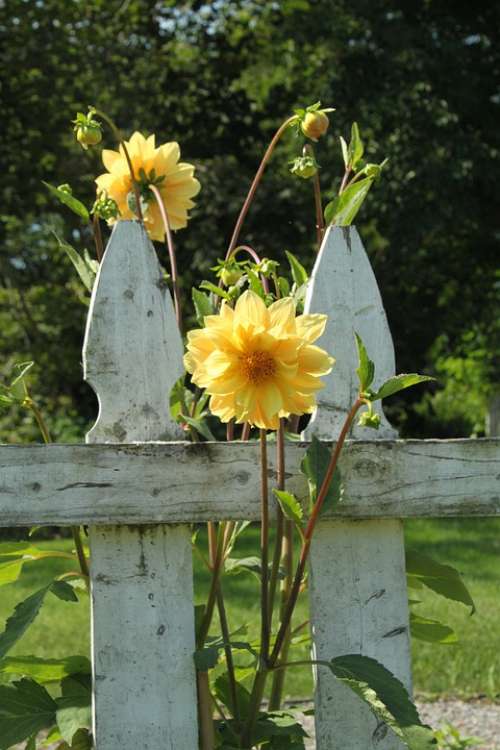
(398, 383)
(223, 692)
(22, 617)
(64, 591)
(281, 728)
(217, 290)
(385, 695)
(69, 200)
(10, 571)
(176, 398)
(84, 271)
(45, 670)
(82, 740)
(299, 273)
(72, 719)
(292, 509)
(202, 305)
(345, 152)
(31, 744)
(200, 425)
(366, 369)
(25, 709)
(206, 658)
(442, 579)
(431, 631)
(343, 208)
(235, 565)
(356, 148)
(314, 466)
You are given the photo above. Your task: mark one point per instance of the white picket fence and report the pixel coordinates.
(138, 486)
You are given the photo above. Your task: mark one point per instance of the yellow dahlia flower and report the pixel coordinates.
(257, 363)
(152, 166)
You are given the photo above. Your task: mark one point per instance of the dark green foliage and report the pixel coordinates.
(219, 78)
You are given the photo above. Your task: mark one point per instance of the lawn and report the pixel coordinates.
(469, 668)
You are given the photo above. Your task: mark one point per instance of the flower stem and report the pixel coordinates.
(345, 178)
(262, 670)
(96, 228)
(205, 718)
(280, 461)
(264, 549)
(255, 183)
(320, 225)
(121, 140)
(217, 559)
(171, 253)
(292, 600)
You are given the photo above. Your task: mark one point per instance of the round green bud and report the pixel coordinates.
(88, 133)
(230, 276)
(304, 166)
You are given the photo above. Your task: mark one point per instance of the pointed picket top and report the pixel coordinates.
(133, 349)
(343, 286)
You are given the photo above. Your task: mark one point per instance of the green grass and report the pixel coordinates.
(472, 667)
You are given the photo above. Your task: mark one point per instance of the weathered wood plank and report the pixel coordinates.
(362, 610)
(181, 482)
(142, 584)
(351, 562)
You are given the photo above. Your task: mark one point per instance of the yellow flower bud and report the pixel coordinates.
(315, 124)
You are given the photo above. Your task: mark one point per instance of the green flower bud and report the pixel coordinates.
(105, 207)
(304, 166)
(231, 276)
(369, 419)
(88, 131)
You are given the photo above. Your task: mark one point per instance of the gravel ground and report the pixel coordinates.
(478, 718)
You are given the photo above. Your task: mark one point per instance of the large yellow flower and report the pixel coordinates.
(257, 363)
(158, 166)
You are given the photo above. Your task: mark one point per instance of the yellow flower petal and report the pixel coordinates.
(311, 327)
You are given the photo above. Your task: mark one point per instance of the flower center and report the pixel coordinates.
(258, 366)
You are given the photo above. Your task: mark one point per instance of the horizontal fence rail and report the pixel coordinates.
(182, 482)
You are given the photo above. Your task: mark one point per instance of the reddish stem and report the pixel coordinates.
(171, 252)
(255, 183)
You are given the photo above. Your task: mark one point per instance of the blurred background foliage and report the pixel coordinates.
(421, 77)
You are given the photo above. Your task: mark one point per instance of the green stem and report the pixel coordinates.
(212, 595)
(96, 228)
(259, 686)
(255, 183)
(318, 206)
(292, 600)
(264, 550)
(280, 461)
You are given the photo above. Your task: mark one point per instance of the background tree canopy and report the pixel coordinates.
(421, 79)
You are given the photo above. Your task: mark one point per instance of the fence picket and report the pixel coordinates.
(358, 587)
(142, 586)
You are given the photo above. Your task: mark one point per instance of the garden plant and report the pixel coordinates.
(253, 369)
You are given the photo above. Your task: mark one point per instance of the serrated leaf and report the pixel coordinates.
(25, 709)
(69, 200)
(442, 579)
(84, 271)
(399, 383)
(314, 466)
(299, 273)
(202, 305)
(386, 696)
(431, 631)
(64, 591)
(366, 368)
(72, 719)
(20, 620)
(343, 209)
(292, 509)
(45, 670)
